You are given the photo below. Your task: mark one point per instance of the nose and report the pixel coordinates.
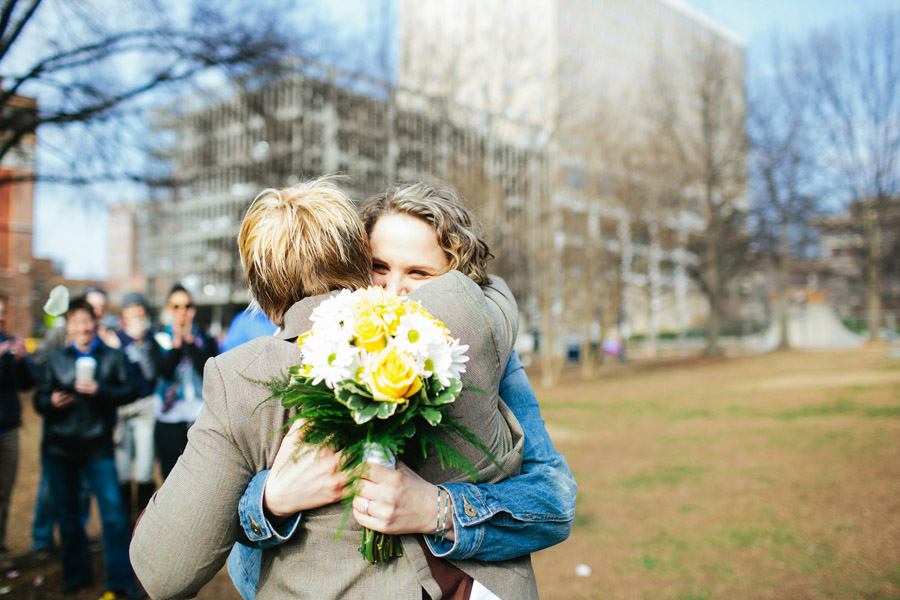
(396, 284)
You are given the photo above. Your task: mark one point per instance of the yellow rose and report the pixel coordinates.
(391, 375)
(370, 332)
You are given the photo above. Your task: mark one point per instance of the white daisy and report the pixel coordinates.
(335, 312)
(331, 358)
(457, 366)
(416, 334)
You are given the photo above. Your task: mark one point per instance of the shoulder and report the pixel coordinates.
(452, 287)
(296, 319)
(235, 391)
(61, 355)
(497, 286)
(258, 359)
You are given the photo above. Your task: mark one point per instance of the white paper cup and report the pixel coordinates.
(85, 367)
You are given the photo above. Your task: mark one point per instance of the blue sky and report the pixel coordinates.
(755, 20)
(64, 230)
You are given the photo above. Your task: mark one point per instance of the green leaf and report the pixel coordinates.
(344, 396)
(358, 402)
(431, 414)
(407, 429)
(433, 386)
(386, 409)
(450, 394)
(356, 388)
(364, 415)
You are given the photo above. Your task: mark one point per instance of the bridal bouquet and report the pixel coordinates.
(377, 373)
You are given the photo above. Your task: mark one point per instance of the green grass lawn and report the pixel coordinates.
(775, 476)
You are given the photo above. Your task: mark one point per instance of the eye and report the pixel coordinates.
(378, 267)
(421, 274)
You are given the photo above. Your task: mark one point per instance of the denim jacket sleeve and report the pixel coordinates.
(261, 533)
(529, 512)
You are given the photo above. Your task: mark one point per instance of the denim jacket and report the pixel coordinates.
(492, 521)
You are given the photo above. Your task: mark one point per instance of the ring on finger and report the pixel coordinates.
(366, 508)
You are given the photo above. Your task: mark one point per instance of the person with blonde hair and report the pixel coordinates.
(419, 231)
(302, 241)
(190, 526)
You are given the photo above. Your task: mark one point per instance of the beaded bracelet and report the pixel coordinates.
(437, 525)
(446, 510)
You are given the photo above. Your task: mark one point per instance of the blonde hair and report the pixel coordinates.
(438, 204)
(302, 241)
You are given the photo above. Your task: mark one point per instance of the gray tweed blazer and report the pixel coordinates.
(189, 527)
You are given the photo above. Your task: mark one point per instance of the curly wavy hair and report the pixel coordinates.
(438, 204)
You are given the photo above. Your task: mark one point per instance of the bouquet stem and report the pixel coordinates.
(379, 547)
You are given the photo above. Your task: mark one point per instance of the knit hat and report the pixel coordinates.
(134, 298)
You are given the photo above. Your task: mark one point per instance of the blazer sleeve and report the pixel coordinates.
(190, 525)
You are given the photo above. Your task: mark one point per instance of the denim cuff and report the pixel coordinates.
(469, 512)
(254, 522)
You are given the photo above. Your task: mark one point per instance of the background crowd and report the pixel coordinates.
(117, 397)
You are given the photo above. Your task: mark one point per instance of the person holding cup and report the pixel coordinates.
(80, 388)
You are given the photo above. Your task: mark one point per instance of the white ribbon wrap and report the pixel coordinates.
(378, 454)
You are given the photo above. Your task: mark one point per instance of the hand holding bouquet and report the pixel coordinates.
(377, 371)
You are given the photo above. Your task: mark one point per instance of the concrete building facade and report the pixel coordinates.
(598, 77)
(316, 122)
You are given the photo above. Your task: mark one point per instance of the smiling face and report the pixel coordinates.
(405, 253)
(81, 327)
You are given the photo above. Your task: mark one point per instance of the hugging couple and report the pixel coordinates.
(241, 490)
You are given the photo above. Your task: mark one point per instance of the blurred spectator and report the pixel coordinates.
(133, 435)
(43, 521)
(80, 388)
(247, 325)
(16, 373)
(106, 323)
(55, 339)
(180, 392)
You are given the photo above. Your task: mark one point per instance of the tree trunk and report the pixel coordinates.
(783, 282)
(872, 230)
(550, 366)
(610, 319)
(591, 266)
(712, 269)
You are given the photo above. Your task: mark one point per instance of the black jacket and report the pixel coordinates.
(14, 376)
(82, 430)
(147, 360)
(203, 348)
